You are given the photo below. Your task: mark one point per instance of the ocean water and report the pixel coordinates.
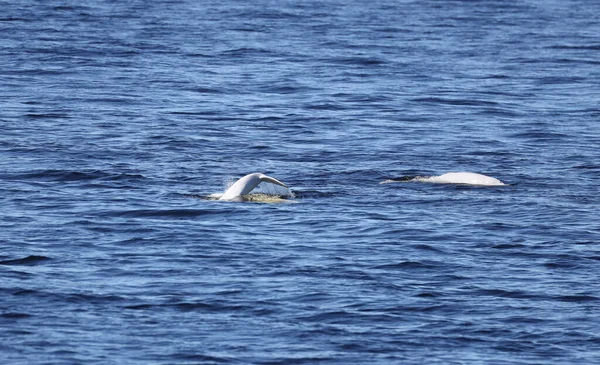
(118, 118)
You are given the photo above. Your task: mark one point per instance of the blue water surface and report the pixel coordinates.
(117, 118)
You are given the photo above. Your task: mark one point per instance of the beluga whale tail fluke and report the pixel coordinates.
(463, 178)
(246, 184)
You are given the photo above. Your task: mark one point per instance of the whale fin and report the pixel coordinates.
(246, 184)
(272, 180)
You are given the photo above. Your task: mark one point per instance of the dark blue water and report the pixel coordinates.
(118, 117)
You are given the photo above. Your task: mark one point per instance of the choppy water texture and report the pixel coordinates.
(117, 117)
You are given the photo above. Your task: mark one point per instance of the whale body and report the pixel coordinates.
(246, 184)
(468, 178)
(465, 178)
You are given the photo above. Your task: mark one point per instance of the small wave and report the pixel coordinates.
(462, 102)
(13, 19)
(407, 178)
(578, 298)
(285, 89)
(540, 135)
(516, 294)
(428, 295)
(562, 264)
(500, 112)
(558, 80)
(166, 213)
(587, 167)
(247, 51)
(425, 247)
(190, 307)
(70, 176)
(358, 61)
(26, 261)
(195, 358)
(509, 246)
(52, 296)
(591, 47)
(406, 265)
(327, 106)
(15, 315)
(69, 8)
(314, 194)
(47, 115)
(205, 90)
(65, 175)
(11, 272)
(182, 306)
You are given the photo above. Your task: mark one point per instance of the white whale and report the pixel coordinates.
(467, 178)
(246, 184)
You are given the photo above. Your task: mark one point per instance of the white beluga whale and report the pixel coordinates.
(467, 178)
(464, 178)
(246, 184)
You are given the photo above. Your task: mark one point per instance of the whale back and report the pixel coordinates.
(469, 178)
